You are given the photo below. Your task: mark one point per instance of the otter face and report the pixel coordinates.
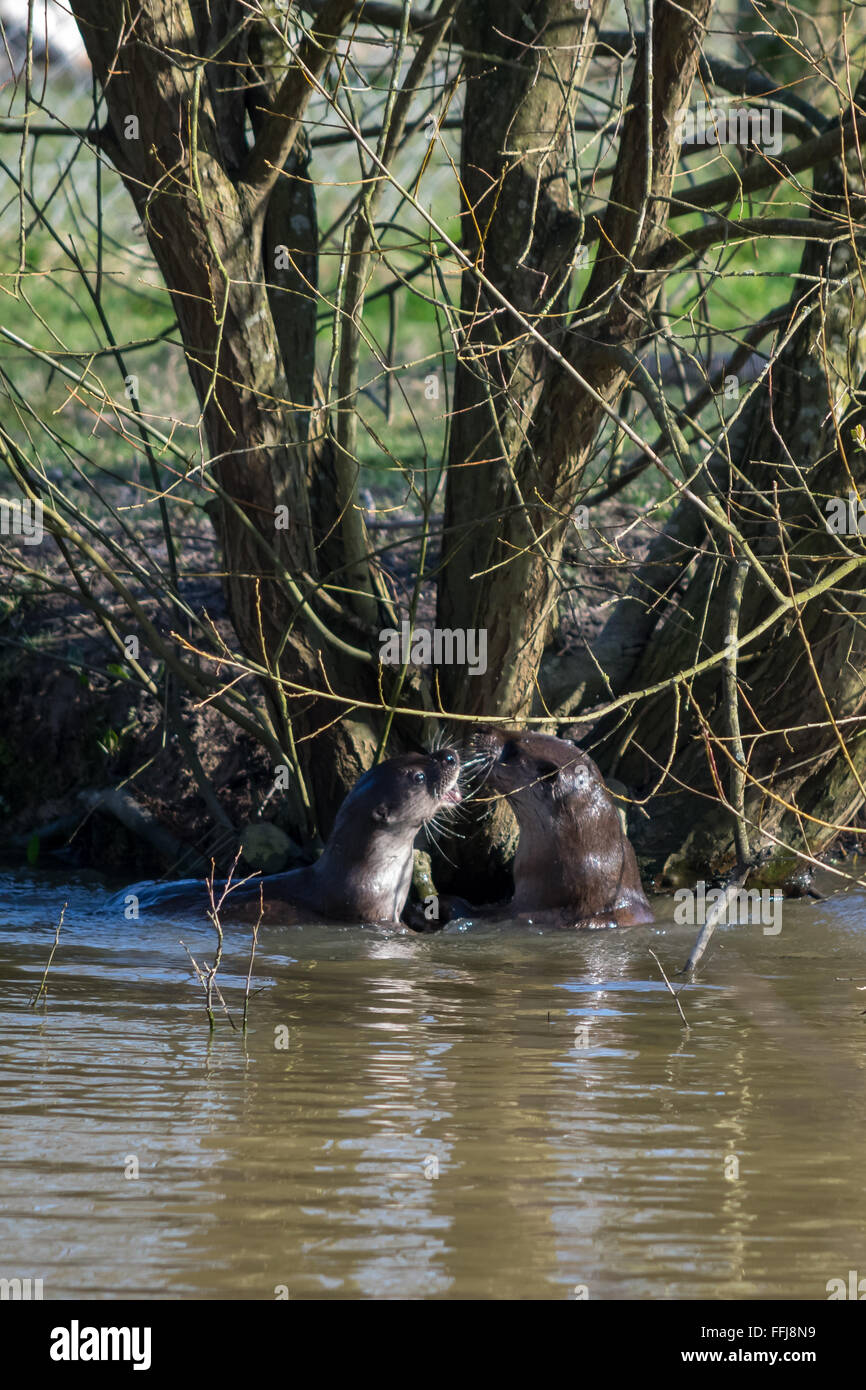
(536, 769)
(412, 789)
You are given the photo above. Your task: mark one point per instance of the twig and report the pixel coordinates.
(253, 953)
(208, 973)
(673, 991)
(35, 1000)
(716, 913)
(213, 914)
(738, 776)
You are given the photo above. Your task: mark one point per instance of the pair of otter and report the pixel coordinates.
(574, 865)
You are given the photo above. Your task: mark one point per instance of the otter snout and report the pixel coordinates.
(485, 746)
(448, 789)
(518, 761)
(486, 740)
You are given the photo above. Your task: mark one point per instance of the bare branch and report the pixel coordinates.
(278, 134)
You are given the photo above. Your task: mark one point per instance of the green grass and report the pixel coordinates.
(55, 312)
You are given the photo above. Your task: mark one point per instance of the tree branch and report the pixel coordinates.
(724, 230)
(766, 173)
(283, 121)
(382, 15)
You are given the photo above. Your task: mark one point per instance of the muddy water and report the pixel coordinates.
(490, 1112)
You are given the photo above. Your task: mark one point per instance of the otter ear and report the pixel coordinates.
(381, 814)
(546, 770)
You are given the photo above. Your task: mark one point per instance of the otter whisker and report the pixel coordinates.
(433, 840)
(460, 812)
(444, 829)
(478, 777)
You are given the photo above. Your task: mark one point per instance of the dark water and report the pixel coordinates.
(582, 1137)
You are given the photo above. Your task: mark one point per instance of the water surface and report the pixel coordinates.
(494, 1112)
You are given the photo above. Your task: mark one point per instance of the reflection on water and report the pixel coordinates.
(490, 1112)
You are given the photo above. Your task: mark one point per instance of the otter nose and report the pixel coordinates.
(485, 735)
(447, 757)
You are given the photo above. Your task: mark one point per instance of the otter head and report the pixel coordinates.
(543, 777)
(401, 794)
(418, 786)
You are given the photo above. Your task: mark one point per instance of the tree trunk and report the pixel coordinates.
(800, 683)
(182, 159)
(523, 428)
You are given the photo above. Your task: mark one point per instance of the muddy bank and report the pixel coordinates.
(96, 773)
(78, 724)
(70, 732)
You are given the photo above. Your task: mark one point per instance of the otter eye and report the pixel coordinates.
(509, 752)
(419, 777)
(449, 758)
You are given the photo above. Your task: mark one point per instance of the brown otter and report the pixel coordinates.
(574, 863)
(365, 870)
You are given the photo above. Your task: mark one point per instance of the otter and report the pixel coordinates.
(365, 870)
(574, 863)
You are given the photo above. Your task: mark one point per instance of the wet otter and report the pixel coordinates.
(365, 870)
(574, 863)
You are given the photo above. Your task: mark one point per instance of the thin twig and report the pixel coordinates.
(35, 1000)
(253, 945)
(674, 992)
